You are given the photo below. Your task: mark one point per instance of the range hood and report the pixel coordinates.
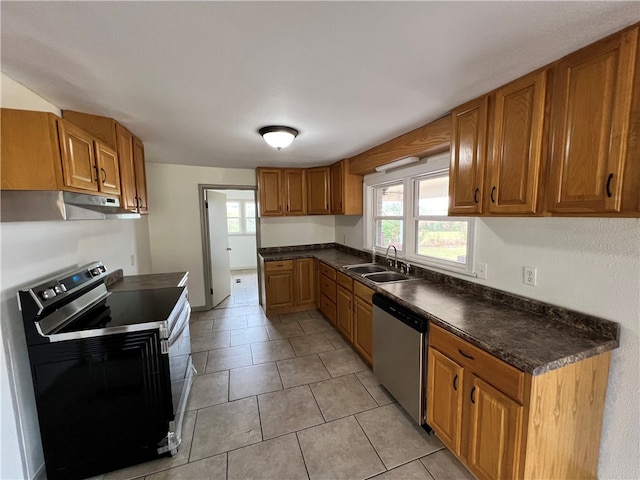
(43, 205)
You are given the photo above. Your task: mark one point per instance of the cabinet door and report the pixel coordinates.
(124, 140)
(444, 399)
(295, 192)
(304, 287)
(141, 176)
(344, 312)
(363, 328)
(337, 188)
(280, 291)
(270, 192)
(517, 145)
(466, 175)
(592, 99)
(108, 171)
(78, 157)
(316, 279)
(318, 191)
(494, 432)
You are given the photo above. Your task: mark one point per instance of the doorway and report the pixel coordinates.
(230, 245)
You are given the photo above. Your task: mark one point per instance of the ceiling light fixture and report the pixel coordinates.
(278, 136)
(396, 164)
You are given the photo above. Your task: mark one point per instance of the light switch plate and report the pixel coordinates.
(482, 270)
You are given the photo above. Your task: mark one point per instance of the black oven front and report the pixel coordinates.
(111, 373)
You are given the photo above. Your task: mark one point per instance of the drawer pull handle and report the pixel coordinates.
(473, 397)
(466, 355)
(475, 195)
(455, 382)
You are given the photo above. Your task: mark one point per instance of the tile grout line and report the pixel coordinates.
(370, 442)
(304, 462)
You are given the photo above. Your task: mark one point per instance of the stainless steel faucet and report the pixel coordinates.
(395, 262)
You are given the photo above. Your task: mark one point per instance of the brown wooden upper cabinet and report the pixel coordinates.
(282, 191)
(515, 153)
(41, 151)
(133, 180)
(295, 191)
(591, 113)
(468, 143)
(346, 190)
(318, 191)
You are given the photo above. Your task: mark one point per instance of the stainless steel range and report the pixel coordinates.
(111, 371)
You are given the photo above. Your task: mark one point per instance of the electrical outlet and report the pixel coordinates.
(530, 274)
(482, 270)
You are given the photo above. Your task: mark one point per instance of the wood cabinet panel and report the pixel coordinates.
(278, 265)
(516, 153)
(318, 191)
(363, 327)
(444, 399)
(327, 271)
(344, 281)
(270, 192)
(494, 432)
(328, 288)
(78, 157)
(295, 191)
(141, 176)
(280, 291)
(346, 190)
(108, 171)
(466, 174)
(30, 151)
(344, 312)
(124, 140)
(305, 290)
(508, 379)
(593, 91)
(328, 308)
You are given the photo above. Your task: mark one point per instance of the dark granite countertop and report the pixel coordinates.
(532, 342)
(116, 282)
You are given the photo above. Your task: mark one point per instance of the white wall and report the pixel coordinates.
(31, 251)
(285, 231)
(174, 219)
(588, 265)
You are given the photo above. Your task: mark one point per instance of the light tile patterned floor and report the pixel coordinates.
(285, 397)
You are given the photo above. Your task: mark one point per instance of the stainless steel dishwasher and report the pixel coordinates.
(399, 339)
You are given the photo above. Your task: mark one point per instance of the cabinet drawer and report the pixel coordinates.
(328, 308)
(362, 291)
(501, 375)
(328, 271)
(328, 288)
(278, 266)
(344, 281)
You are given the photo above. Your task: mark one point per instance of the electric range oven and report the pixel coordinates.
(111, 371)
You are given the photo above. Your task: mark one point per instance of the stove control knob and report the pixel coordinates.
(48, 293)
(60, 288)
(95, 272)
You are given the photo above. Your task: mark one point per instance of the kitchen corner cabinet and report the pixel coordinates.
(318, 191)
(505, 424)
(346, 190)
(591, 113)
(468, 150)
(130, 154)
(515, 152)
(289, 285)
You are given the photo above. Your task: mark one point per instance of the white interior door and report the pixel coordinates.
(220, 269)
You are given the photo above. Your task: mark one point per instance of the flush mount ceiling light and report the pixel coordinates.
(278, 136)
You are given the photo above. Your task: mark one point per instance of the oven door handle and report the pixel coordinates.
(183, 321)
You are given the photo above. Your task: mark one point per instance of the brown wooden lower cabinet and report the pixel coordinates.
(289, 285)
(363, 321)
(503, 423)
(344, 311)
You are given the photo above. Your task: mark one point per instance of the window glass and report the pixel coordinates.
(233, 225)
(390, 201)
(233, 209)
(251, 225)
(249, 210)
(389, 232)
(445, 240)
(433, 196)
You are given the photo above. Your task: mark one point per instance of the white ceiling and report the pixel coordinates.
(195, 80)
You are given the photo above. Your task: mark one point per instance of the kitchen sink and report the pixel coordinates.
(365, 268)
(384, 277)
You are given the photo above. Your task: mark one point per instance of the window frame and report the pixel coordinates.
(377, 217)
(410, 176)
